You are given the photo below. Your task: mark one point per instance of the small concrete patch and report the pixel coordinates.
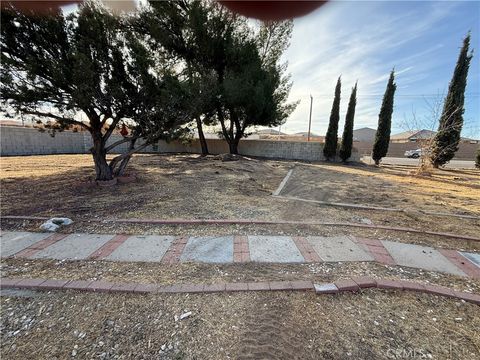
(209, 249)
(325, 288)
(75, 246)
(338, 248)
(474, 258)
(280, 249)
(422, 257)
(142, 248)
(13, 242)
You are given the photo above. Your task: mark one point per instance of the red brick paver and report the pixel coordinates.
(461, 262)
(389, 284)
(346, 285)
(29, 283)
(307, 250)
(364, 282)
(377, 250)
(8, 283)
(53, 284)
(40, 245)
(241, 250)
(172, 255)
(109, 247)
(236, 287)
(259, 286)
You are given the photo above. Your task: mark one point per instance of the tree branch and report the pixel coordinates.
(112, 127)
(56, 117)
(119, 158)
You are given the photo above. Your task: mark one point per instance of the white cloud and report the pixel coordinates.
(357, 41)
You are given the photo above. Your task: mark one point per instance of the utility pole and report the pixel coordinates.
(310, 118)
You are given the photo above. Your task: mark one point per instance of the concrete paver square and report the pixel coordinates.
(338, 248)
(280, 249)
(422, 257)
(473, 257)
(75, 246)
(142, 248)
(15, 241)
(209, 249)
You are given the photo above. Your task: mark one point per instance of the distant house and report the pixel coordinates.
(10, 123)
(364, 134)
(419, 135)
(268, 132)
(305, 134)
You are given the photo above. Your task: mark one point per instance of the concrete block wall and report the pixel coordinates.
(466, 151)
(28, 141)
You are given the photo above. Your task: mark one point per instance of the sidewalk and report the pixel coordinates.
(238, 249)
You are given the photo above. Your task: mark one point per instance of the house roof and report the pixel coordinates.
(419, 134)
(305, 133)
(423, 134)
(269, 132)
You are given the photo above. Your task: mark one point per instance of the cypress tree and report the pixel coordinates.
(477, 159)
(331, 139)
(445, 142)
(347, 138)
(382, 137)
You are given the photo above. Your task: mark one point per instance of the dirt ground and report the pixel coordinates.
(192, 187)
(371, 325)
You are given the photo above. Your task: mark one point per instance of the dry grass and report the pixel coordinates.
(371, 325)
(188, 186)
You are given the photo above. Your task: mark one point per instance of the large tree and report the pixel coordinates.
(179, 29)
(90, 62)
(246, 85)
(347, 138)
(382, 136)
(447, 138)
(331, 138)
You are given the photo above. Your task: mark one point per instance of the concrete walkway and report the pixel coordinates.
(238, 249)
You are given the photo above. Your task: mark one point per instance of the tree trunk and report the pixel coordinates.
(201, 136)
(233, 145)
(102, 170)
(123, 165)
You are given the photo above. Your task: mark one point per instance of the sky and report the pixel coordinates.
(364, 40)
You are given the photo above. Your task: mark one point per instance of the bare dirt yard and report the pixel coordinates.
(192, 187)
(373, 325)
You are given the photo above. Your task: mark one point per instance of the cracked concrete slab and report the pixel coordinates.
(338, 248)
(74, 247)
(209, 249)
(149, 248)
(280, 249)
(15, 241)
(422, 257)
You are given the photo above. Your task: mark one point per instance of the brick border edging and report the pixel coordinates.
(354, 285)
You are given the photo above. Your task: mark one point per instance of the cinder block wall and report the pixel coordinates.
(465, 151)
(28, 141)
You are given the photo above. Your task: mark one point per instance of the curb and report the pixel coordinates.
(355, 284)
